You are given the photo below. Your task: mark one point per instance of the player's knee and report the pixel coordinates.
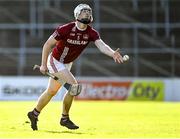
(73, 89)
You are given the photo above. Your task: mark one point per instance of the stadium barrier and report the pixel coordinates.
(100, 88)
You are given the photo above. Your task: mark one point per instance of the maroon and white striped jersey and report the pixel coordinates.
(72, 41)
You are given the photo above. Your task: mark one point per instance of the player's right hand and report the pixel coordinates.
(117, 56)
(43, 69)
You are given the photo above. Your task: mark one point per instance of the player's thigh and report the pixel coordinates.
(61, 70)
(53, 86)
(66, 76)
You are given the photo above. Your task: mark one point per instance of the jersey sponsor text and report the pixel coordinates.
(77, 42)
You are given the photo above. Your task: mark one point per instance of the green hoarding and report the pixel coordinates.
(147, 90)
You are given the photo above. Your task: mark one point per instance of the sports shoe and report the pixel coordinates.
(33, 120)
(68, 123)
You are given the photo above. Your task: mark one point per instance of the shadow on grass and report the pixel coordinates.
(66, 132)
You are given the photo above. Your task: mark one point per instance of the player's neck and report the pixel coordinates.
(81, 26)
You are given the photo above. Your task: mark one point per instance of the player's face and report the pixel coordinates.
(85, 13)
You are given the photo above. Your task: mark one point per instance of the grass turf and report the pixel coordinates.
(97, 119)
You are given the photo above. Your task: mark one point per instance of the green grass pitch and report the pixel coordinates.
(97, 119)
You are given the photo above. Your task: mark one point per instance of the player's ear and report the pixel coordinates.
(91, 18)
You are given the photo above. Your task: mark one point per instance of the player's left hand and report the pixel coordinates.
(117, 56)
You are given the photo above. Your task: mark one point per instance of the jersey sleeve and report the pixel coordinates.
(94, 35)
(60, 32)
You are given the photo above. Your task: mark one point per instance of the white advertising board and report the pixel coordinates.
(24, 88)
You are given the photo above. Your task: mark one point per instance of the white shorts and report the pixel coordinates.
(55, 66)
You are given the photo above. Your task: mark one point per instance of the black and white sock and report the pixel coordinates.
(65, 116)
(36, 113)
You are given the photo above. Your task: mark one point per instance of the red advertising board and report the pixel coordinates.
(104, 90)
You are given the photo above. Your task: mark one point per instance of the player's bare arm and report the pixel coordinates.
(104, 48)
(46, 50)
